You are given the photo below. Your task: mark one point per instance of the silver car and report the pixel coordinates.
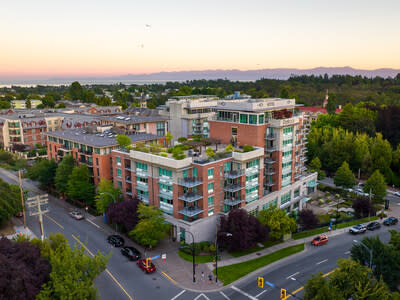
(77, 215)
(360, 228)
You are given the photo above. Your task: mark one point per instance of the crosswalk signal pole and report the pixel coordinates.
(283, 294)
(261, 282)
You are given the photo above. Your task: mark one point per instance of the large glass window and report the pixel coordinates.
(253, 119)
(165, 172)
(211, 173)
(142, 166)
(261, 119)
(210, 187)
(119, 173)
(285, 198)
(210, 201)
(243, 118)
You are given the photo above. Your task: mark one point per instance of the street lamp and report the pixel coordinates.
(193, 256)
(369, 250)
(216, 252)
(113, 197)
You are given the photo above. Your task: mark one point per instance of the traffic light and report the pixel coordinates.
(283, 294)
(261, 282)
(148, 262)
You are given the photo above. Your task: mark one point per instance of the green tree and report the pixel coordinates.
(284, 94)
(332, 103)
(48, 101)
(10, 201)
(79, 186)
(344, 176)
(124, 141)
(315, 166)
(75, 91)
(63, 173)
(106, 194)
(210, 152)
(168, 138)
(43, 171)
(151, 227)
(377, 185)
(318, 288)
(381, 154)
(28, 103)
(277, 221)
(72, 271)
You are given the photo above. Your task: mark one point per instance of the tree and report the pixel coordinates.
(10, 201)
(151, 227)
(123, 141)
(61, 105)
(363, 207)
(124, 213)
(79, 186)
(246, 230)
(178, 153)
(72, 271)
(381, 154)
(377, 185)
(307, 219)
(106, 194)
(284, 94)
(315, 166)
(23, 271)
(48, 101)
(168, 138)
(332, 103)
(344, 176)
(28, 103)
(76, 91)
(277, 221)
(210, 152)
(43, 171)
(229, 148)
(318, 288)
(182, 139)
(64, 171)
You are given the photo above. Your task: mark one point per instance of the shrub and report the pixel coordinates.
(248, 148)
(163, 154)
(307, 219)
(182, 139)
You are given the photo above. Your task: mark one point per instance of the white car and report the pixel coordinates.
(77, 215)
(396, 194)
(360, 228)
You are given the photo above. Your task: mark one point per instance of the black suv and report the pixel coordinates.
(116, 240)
(131, 253)
(373, 225)
(390, 221)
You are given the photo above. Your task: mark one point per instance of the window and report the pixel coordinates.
(210, 201)
(194, 172)
(165, 187)
(211, 173)
(97, 161)
(165, 172)
(243, 118)
(287, 130)
(287, 142)
(234, 131)
(296, 193)
(118, 160)
(141, 166)
(98, 172)
(185, 173)
(119, 184)
(271, 203)
(287, 165)
(252, 119)
(285, 198)
(119, 173)
(210, 212)
(253, 163)
(287, 153)
(97, 150)
(49, 122)
(227, 166)
(210, 187)
(33, 138)
(261, 119)
(76, 145)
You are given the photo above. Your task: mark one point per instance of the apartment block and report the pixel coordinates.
(191, 192)
(21, 104)
(189, 115)
(92, 147)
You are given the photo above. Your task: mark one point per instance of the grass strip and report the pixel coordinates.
(316, 231)
(266, 244)
(231, 273)
(198, 259)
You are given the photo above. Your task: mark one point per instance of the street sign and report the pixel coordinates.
(164, 257)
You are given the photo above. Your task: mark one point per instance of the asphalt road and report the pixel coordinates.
(124, 280)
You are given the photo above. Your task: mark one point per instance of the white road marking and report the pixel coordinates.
(92, 223)
(292, 275)
(347, 252)
(321, 262)
(178, 294)
(198, 297)
(261, 293)
(225, 296)
(243, 293)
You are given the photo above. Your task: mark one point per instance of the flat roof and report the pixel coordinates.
(131, 119)
(97, 139)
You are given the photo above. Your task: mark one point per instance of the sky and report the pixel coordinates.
(101, 37)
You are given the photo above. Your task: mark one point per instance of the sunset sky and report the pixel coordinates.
(101, 37)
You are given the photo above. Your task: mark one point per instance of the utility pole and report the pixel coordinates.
(35, 203)
(22, 197)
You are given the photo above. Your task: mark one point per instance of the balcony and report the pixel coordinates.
(286, 158)
(286, 170)
(251, 197)
(190, 197)
(166, 207)
(165, 179)
(142, 186)
(252, 183)
(129, 192)
(287, 147)
(64, 149)
(269, 161)
(191, 211)
(269, 171)
(233, 187)
(85, 152)
(128, 179)
(128, 168)
(86, 162)
(303, 168)
(141, 173)
(270, 183)
(190, 182)
(232, 201)
(269, 148)
(252, 171)
(270, 137)
(287, 181)
(303, 158)
(297, 175)
(165, 194)
(143, 198)
(233, 174)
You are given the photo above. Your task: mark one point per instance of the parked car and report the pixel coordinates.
(77, 215)
(116, 240)
(373, 225)
(20, 214)
(131, 253)
(360, 228)
(320, 240)
(390, 221)
(142, 264)
(396, 194)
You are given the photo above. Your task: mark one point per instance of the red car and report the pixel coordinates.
(142, 264)
(319, 240)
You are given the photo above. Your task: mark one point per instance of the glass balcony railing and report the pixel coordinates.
(190, 197)
(143, 198)
(165, 194)
(270, 183)
(270, 137)
(143, 186)
(252, 183)
(166, 207)
(165, 179)
(191, 211)
(252, 171)
(233, 174)
(251, 197)
(286, 170)
(269, 171)
(234, 187)
(190, 182)
(232, 201)
(269, 161)
(141, 173)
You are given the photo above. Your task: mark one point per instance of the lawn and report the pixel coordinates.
(198, 259)
(266, 244)
(231, 273)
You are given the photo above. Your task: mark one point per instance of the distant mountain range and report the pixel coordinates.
(161, 77)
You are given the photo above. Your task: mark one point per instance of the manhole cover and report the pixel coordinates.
(154, 278)
(157, 287)
(258, 253)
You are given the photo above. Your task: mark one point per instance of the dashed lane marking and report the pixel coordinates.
(243, 293)
(108, 272)
(347, 252)
(178, 294)
(292, 275)
(51, 219)
(261, 293)
(225, 296)
(322, 261)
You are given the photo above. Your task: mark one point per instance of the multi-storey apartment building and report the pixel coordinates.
(92, 147)
(274, 125)
(189, 115)
(21, 104)
(191, 192)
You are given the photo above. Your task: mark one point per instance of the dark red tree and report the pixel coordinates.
(363, 207)
(23, 271)
(246, 231)
(124, 213)
(307, 219)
